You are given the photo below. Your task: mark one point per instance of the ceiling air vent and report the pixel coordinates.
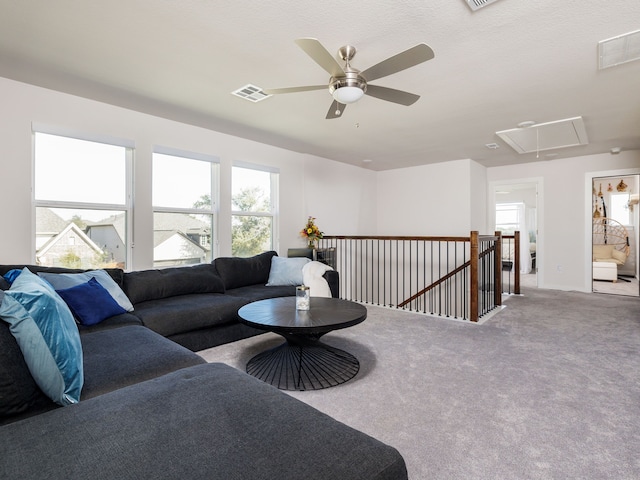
(537, 137)
(251, 93)
(617, 50)
(478, 4)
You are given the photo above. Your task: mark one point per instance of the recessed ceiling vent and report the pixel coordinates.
(478, 4)
(538, 137)
(251, 93)
(617, 50)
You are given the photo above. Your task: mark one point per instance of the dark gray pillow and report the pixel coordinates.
(154, 284)
(240, 272)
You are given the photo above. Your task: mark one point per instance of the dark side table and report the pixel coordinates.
(303, 362)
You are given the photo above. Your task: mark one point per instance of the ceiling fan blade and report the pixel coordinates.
(335, 110)
(409, 58)
(392, 95)
(321, 56)
(276, 91)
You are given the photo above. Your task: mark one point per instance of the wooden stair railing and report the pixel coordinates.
(376, 270)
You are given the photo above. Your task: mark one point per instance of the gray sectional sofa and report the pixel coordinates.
(152, 408)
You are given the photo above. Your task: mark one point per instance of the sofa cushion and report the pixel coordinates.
(251, 293)
(173, 315)
(18, 390)
(240, 272)
(204, 422)
(205, 338)
(61, 281)
(619, 257)
(286, 271)
(602, 252)
(112, 322)
(120, 357)
(47, 335)
(90, 302)
(145, 285)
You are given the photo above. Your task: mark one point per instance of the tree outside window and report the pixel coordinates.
(252, 222)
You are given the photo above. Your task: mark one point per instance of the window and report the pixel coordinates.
(620, 207)
(183, 208)
(81, 202)
(508, 217)
(253, 205)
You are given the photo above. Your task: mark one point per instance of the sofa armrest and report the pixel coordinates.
(333, 279)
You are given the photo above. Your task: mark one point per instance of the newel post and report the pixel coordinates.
(474, 252)
(516, 263)
(497, 268)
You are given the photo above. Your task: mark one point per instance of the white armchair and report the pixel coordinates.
(608, 253)
(606, 260)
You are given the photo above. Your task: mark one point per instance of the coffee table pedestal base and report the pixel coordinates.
(303, 366)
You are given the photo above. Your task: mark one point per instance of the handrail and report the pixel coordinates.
(435, 284)
(455, 276)
(395, 237)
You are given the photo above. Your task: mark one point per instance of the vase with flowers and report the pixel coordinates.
(311, 232)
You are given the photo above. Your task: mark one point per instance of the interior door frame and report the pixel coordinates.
(588, 215)
(538, 182)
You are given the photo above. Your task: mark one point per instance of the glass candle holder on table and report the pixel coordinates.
(302, 297)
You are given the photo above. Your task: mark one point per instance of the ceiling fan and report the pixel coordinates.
(348, 85)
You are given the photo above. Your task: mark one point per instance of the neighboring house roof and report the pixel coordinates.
(162, 222)
(179, 221)
(81, 235)
(161, 236)
(115, 221)
(174, 246)
(48, 222)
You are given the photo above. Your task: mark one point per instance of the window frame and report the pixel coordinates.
(624, 205)
(126, 207)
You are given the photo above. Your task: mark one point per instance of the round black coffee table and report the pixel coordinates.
(303, 362)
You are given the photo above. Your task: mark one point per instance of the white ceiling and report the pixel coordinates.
(509, 62)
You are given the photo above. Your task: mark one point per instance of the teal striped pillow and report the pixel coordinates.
(46, 332)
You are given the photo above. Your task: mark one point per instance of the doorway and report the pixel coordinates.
(615, 234)
(515, 207)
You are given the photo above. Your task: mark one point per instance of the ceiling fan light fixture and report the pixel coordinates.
(348, 89)
(346, 95)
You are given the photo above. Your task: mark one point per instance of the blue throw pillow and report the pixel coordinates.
(11, 275)
(286, 271)
(90, 302)
(46, 332)
(62, 281)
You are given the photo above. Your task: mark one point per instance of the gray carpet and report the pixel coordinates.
(548, 388)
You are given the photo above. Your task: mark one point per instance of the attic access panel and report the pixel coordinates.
(478, 4)
(569, 132)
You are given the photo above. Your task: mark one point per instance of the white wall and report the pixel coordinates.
(566, 203)
(342, 197)
(442, 199)
(478, 198)
(448, 198)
